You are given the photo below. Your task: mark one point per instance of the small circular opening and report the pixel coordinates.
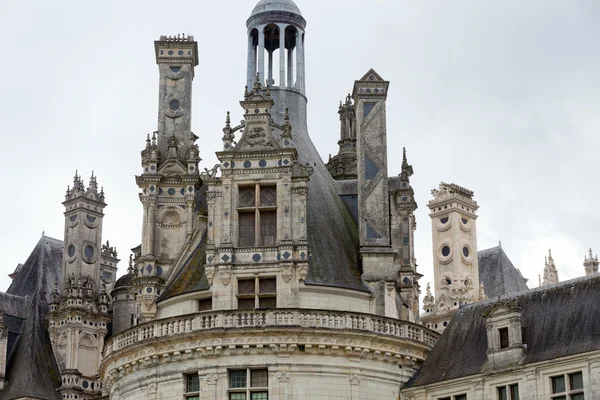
(174, 105)
(445, 251)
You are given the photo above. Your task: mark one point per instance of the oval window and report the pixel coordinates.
(89, 251)
(71, 250)
(445, 251)
(466, 251)
(444, 220)
(464, 220)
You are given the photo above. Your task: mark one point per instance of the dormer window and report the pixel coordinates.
(504, 336)
(257, 215)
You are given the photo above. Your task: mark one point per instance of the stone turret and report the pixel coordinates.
(403, 226)
(343, 165)
(590, 263)
(456, 270)
(79, 306)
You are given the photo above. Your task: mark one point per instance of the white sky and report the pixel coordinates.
(500, 97)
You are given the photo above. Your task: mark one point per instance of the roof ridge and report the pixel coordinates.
(553, 286)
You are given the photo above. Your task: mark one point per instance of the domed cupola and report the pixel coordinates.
(276, 35)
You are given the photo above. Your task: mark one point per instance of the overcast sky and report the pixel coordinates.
(501, 97)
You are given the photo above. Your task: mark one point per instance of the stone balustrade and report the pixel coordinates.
(304, 318)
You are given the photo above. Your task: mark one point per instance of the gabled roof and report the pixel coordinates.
(497, 273)
(31, 369)
(559, 320)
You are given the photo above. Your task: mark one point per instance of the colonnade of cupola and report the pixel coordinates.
(276, 46)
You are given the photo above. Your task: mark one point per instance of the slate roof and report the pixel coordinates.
(191, 277)
(123, 281)
(559, 320)
(31, 368)
(497, 273)
(332, 233)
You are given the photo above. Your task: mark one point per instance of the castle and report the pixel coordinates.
(274, 274)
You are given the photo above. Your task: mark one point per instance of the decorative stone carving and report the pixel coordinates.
(354, 379)
(283, 376)
(211, 379)
(225, 275)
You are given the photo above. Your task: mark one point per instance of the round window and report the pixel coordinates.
(174, 105)
(89, 251)
(464, 220)
(445, 251)
(466, 251)
(444, 220)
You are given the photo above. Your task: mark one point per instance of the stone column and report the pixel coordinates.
(145, 228)
(208, 383)
(282, 54)
(478, 392)
(150, 232)
(530, 392)
(261, 55)
(251, 62)
(594, 391)
(282, 389)
(290, 68)
(270, 81)
(299, 61)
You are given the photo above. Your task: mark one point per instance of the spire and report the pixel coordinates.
(428, 300)
(228, 135)
(590, 263)
(482, 295)
(550, 271)
(286, 134)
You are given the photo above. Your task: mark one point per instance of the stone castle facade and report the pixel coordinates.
(272, 275)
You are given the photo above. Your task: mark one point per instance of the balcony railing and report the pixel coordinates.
(304, 318)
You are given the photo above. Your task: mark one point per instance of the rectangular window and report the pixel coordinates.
(257, 293)
(510, 392)
(503, 332)
(569, 386)
(192, 387)
(460, 397)
(257, 215)
(248, 384)
(205, 304)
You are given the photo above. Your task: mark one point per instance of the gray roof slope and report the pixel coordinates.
(32, 360)
(191, 277)
(497, 273)
(559, 320)
(332, 233)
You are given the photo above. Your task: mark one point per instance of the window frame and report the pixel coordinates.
(503, 338)
(257, 295)
(510, 392)
(194, 394)
(248, 390)
(257, 209)
(569, 392)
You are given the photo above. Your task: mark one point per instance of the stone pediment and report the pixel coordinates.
(172, 167)
(372, 76)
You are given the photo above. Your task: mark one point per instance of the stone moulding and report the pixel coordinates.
(216, 333)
